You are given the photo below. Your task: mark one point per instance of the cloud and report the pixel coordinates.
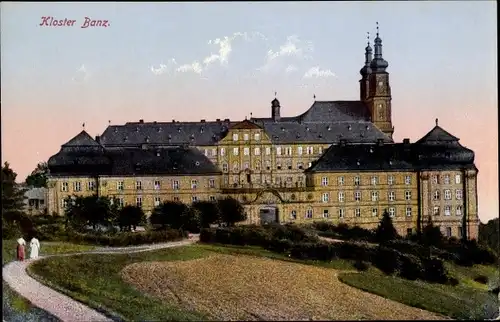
(81, 74)
(293, 47)
(221, 57)
(290, 69)
(164, 68)
(316, 72)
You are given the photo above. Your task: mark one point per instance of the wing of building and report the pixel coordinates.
(337, 161)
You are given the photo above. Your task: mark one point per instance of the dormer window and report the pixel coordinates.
(282, 129)
(367, 127)
(159, 129)
(307, 129)
(348, 127)
(328, 128)
(179, 129)
(137, 129)
(201, 130)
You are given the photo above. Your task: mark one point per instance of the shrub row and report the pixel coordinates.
(344, 231)
(128, 238)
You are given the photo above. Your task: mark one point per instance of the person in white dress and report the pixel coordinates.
(34, 248)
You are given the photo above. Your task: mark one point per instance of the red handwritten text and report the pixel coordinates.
(94, 23)
(50, 21)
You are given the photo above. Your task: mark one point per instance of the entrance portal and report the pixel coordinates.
(268, 215)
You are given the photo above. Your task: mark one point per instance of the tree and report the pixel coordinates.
(431, 235)
(171, 214)
(90, 210)
(130, 216)
(208, 212)
(231, 211)
(385, 231)
(13, 215)
(38, 177)
(489, 234)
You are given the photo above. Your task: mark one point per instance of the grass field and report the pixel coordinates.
(16, 307)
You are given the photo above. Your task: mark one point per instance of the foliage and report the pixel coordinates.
(434, 270)
(38, 177)
(128, 238)
(209, 213)
(385, 231)
(130, 217)
(481, 279)
(489, 234)
(387, 260)
(361, 266)
(431, 235)
(231, 211)
(343, 231)
(175, 215)
(90, 210)
(411, 267)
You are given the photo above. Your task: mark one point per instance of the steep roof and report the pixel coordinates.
(82, 139)
(437, 136)
(245, 125)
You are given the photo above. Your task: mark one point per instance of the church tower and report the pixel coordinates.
(379, 91)
(365, 72)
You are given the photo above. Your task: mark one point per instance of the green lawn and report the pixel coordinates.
(17, 304)
(468, 300)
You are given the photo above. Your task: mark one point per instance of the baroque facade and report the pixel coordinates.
(337, 161)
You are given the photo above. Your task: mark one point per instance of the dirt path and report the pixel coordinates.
(58, 304)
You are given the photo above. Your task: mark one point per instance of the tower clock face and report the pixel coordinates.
(380, 84)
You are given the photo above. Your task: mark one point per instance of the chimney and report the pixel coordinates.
(141, 121)
(226, 120)
(98, 138)
(218, 120)
(173, 121)
(380, 142)
(406, 141)
(202, 121)
(343, 142)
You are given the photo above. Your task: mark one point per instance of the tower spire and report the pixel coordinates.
(378, 63)
(366, 70)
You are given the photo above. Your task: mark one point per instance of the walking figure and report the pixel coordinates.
(20, 249)
(34, 248)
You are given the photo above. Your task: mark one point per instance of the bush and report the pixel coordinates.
(481, 279)
(207, 235)
(361, 266)
(452, 281)
(411, 267)
(434, 270)
(313, 251)
(127, 239)
(280, 245)
(348, 250)
(343, 231)
(408, 247)
(291, 232)
(386, 259)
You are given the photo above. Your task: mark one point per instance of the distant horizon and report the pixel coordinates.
(192, 61)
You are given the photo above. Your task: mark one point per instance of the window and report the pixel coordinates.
(390, 180)
(309, 213)
(157, 185)
(341, 212)
(256, 151)
(77, 186)
(121, 203)
(235, 151)
(211, 183)
(222, 152)
(256, 137)
(289, 165)
(268, 165)
(436, 195)
(374, 212)
(175, 199)
(299, 150)
(325, 197)
(268, 151)
(435, 179)
(458, 194)
(288, 151)
(211, 198)
(392, 211)
(300, 165)
(447, 194)
(194, 199)
(175, 185)
(224, 167)
(206, 152)
(235, 137)
(245, 137)
(447, 210)
(407, 180)
(448, 231)
(392, 195)
(409, 231)
(235, 166)
(374, 195)
(324, 181)
(458, 210)
(447, 179)
(157, 201)
(320, 150)
(341, 181)
(138, 185)
(214, 152)
(357, 195)
(278, 166)
(64, 203)
(435, 211)
(293, 214)
(326, 214)
(64, 186)
(459, 231)
(357, 212)
(356, 181)
(278, 151)
(246, 151)
(119, 185)
(246, 165)
(138, 202)
(91, 185)
(374, 181)
(407, 195)
(194, 184)
(341, 196)
(408, 211)
(458, 178)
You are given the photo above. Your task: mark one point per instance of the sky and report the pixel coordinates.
(191, 61)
